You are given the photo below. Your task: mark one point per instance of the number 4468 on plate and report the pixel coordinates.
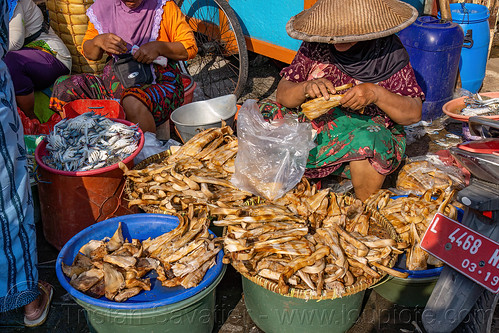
(464, 249)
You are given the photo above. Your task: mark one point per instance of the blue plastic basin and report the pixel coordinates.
(139, 226)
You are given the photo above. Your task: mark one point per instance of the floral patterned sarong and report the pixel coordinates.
(161, 98)
(343, 137)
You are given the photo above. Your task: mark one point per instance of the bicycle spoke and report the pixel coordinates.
(218, 66)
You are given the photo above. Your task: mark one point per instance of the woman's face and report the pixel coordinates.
(342, 47)
(132, 4)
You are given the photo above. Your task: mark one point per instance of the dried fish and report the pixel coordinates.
(179, 257)
(80, 264)
(125, 294)
(411, 217)
(87, 279)
(120, 261)
(113, 280)
(299, 263)
(297, 250)
(117, 240)
(198, 173)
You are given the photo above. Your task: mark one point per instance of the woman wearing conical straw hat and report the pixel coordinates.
(352, 42)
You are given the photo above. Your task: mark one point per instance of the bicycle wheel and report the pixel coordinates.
(221, 65)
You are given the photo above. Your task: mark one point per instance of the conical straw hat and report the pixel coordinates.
(344, 21)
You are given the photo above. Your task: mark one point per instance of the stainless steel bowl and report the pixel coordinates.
(194, 117)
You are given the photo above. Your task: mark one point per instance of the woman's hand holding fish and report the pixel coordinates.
(318, 87)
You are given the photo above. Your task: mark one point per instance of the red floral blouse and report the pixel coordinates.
(314, 61)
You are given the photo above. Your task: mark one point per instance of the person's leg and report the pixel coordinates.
(138, 113)
(68, 88)
(365, 179)
(27, 104)
(151, 105)
(23, 85)
(43, 68)
(18, 256)
(31, 307)
(35, 313)
(32, 69)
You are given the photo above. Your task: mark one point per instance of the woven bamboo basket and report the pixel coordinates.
(69, 20)
(381, 228)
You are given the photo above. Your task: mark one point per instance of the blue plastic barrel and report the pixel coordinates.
(434, 49)
(473, 18)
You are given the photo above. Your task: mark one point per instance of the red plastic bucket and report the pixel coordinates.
(106, 107)
(189, 87)
(72, 201)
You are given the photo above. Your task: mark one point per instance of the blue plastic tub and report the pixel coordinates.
(434, 50)
(473, 19)
(173, 309)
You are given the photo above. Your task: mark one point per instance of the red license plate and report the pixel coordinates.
(464, 249)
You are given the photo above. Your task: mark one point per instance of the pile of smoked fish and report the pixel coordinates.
(115, 268)
(198, 173)
(411, 215)
(311, 240)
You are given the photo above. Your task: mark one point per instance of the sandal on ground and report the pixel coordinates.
(38, 317)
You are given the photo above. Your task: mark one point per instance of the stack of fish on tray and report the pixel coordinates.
(88, 142)
(478, 106)
(187, 252)
(198, 173)
(115, 268)
(310, 240)
(411, 216)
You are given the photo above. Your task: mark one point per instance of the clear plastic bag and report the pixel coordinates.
(422, 173)
(153, 146)
(271, 157)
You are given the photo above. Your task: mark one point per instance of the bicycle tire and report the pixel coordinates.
(221, 65)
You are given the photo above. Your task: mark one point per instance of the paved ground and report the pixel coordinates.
(379, 315)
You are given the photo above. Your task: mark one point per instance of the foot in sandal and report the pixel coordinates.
(38, 315)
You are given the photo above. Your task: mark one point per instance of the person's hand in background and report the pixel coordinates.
(93, 49)
(111, 43)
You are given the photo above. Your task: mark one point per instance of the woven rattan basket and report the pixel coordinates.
(69, 20)
(382, 227)
(128, 189)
